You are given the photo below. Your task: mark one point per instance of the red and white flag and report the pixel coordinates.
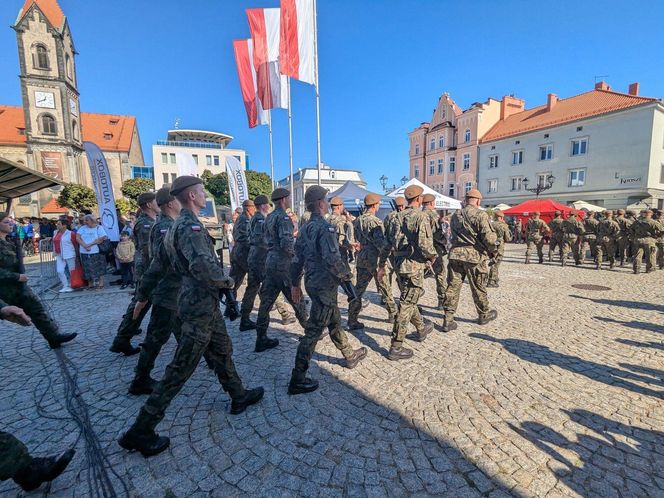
(245, 70)
(265, 33)
(297, 48)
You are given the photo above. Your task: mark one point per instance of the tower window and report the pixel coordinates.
(40, 57)
(48, 124)
(68, 66)
(74, 129)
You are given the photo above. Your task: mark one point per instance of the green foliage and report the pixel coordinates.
(134, 187)
(217, 185)
(258, 183)
(77, 197)
(125, 205)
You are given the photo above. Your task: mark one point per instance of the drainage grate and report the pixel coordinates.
(591, 287)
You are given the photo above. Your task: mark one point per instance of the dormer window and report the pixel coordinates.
(113, 122)
(108, 136)
(21, 131)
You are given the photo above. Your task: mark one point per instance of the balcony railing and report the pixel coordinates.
(198, 145)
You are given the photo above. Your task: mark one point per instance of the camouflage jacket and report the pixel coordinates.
(609, 229)
(472, 236)
(503, 234)
(10, 271)
(257, 242)
(625, 226)
(317, 256)
(160, 282)
(535, 228)
(339, 222)
(141, 236)
(556, 227)
(241, 233)
(573, 227)
(590, 228)
(439, 238)
(280, 241)
(392, 227)
(645, 230)
(414, 244)
(371, 236)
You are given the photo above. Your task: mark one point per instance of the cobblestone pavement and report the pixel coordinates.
(562, 395)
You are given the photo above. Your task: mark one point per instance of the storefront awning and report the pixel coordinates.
(17, 180)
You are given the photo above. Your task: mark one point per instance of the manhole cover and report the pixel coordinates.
(591, 287)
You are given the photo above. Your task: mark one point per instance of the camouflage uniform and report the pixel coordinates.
(557, 235)
(343, 237)
(624, 236)
(413, 249)
(439, 244)
(317, 257)
(573, 230)
(644, 233)
(590, 237)
(280, 250)
(371, 235)
(607, 234)
(391, 224)
(503, 235)
(660, 243)
(473, 239)
(240, 252)
(535, 238)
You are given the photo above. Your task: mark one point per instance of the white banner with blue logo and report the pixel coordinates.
(237, 182)
(101, 179)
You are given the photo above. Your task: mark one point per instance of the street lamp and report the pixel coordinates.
(540, 187)
(383, 182)
(404, 179)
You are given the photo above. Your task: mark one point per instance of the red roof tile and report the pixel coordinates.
(50, 8)
(12, 121)
(585, 105)
(52, 206)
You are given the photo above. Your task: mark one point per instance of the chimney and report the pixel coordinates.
(510, 105)
(551, 101)
(634, 89)
(602, 85)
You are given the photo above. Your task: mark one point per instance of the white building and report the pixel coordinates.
(602, 146)
(331, 179)
(208, 149)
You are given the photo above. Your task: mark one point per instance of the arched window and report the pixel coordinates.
(48, 124)
(68, 66)
(40, 57)
(74, 128)
(333, 175)
(466, 137)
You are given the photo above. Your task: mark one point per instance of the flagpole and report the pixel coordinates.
(290, 144)
(317, 91)
(269, 127)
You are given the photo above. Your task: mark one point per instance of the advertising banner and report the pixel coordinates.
(52, 164)
(103, 190)
(237, 182)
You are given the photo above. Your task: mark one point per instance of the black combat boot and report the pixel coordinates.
(288, 319)
(246, 324)
(422, 334)
(41, 470)
(354, 326)
(302, 386)
(149, 444)
(251, 397)
(399, 353)
(486, 318)
(441, 304)
(541, 260)
(449, 324)
(60, 339)
(493, 285)
(138, 331)
(356, 357)
(142, 385)
(265, 343)
(125, 348)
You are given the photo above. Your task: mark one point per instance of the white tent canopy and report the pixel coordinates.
(586, 206)
(442, 202)
(502, 207)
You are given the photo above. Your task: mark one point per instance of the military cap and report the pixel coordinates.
(499, 213)
(536, 213)
(474, 193)
(428, 198)
(336, 201)
(558, 213)
(145, 197)
(400, 201)
(261, 199)
(280, 193)
(182, 183)
(315, 194)
(164, 196)
(413, 191)
(248, 203)
(631, 212)
(621, 211)
(573, 212)
(608, 212)
(371, 199)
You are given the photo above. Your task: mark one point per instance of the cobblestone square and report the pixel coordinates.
(562, 395)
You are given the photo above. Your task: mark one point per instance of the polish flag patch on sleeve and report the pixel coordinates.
(196, 228)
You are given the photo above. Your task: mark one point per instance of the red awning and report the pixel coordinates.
(546, 208)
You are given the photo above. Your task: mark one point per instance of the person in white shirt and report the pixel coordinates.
(65, 246)
(89, 237)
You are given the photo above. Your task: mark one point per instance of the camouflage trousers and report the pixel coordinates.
(438, 267)
(573, 245)
(255, 278)
(276, 283)
(163, 323)
(203, 331)
(13, 456)
(412, 289)
(364, 277)
(324, 314)
(495, 268)
(555, 243)
(128, 326)
(239, 269)
(22, 296)
(457, 271)
(660, 255)
(391, 275)
(589, 243)
(537, 243)
(645, 248)
(605, 245)
(623, 244)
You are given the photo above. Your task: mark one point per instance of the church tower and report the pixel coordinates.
(49, 90)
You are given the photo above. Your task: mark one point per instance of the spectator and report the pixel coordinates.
(46, 230)
(78, 222)
(228, 229)
(28, 242)
(125, 254)
(89, 236)
(65, 247)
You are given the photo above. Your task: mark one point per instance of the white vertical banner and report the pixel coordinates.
(185, 164)
(237, 182)
(103, 190)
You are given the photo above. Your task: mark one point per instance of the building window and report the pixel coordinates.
(452, 164)
(68, 66)
(432, 144)
(173, 177)
(441, 165)
(108, 136)
(661, 174)
(466, 136)
(164, 158)
(195, 156)
(432, 169)
(74, 129)
(216, 160)
(493, 161)
(164, 176)
(516, 183)
(545, 152)
(467, 187)
(517, 157)
(141, 172)
(40, 57)
(417, 148)
(577, 177)
(441, 141)
(48, 125)
(333, 174)
(450, 190)
(579, 146)
(208, 160)
(172, 157)
(492, 187)
(541, 178)
(466, 161)
(417, 171)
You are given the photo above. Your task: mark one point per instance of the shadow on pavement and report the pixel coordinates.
(633, 324)
(625, 304)
(637, 344)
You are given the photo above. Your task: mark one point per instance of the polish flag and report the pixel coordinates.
(272, 86)
(297, 50)
(245, 70)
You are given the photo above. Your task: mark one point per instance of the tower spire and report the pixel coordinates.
(49, 8)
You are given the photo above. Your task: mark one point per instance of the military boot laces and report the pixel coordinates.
(251, 397)
(302, 386)
(247, 324)
(142, 385)
(148, 443)
(125, 348)
(41, 470)
(422, 334)
(60, 339)
(356, 357)
(399, 353)
(265, 343)
(488, 317)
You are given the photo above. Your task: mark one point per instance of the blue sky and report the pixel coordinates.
(383, 65)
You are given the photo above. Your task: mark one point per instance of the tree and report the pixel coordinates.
(134, 187)
(258, 183)
(126, 205)
(217, 185)
(77, 197)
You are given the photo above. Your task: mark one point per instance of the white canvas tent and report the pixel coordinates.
(586, 206)
(442, 202)
(502, 207)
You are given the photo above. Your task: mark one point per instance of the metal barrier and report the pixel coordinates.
(47, 268)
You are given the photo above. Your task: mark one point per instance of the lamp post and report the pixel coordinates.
(404, 179)
(540, 187)
(383, 182)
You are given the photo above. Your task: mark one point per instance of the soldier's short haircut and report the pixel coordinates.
(311, 206)
(184, 195)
